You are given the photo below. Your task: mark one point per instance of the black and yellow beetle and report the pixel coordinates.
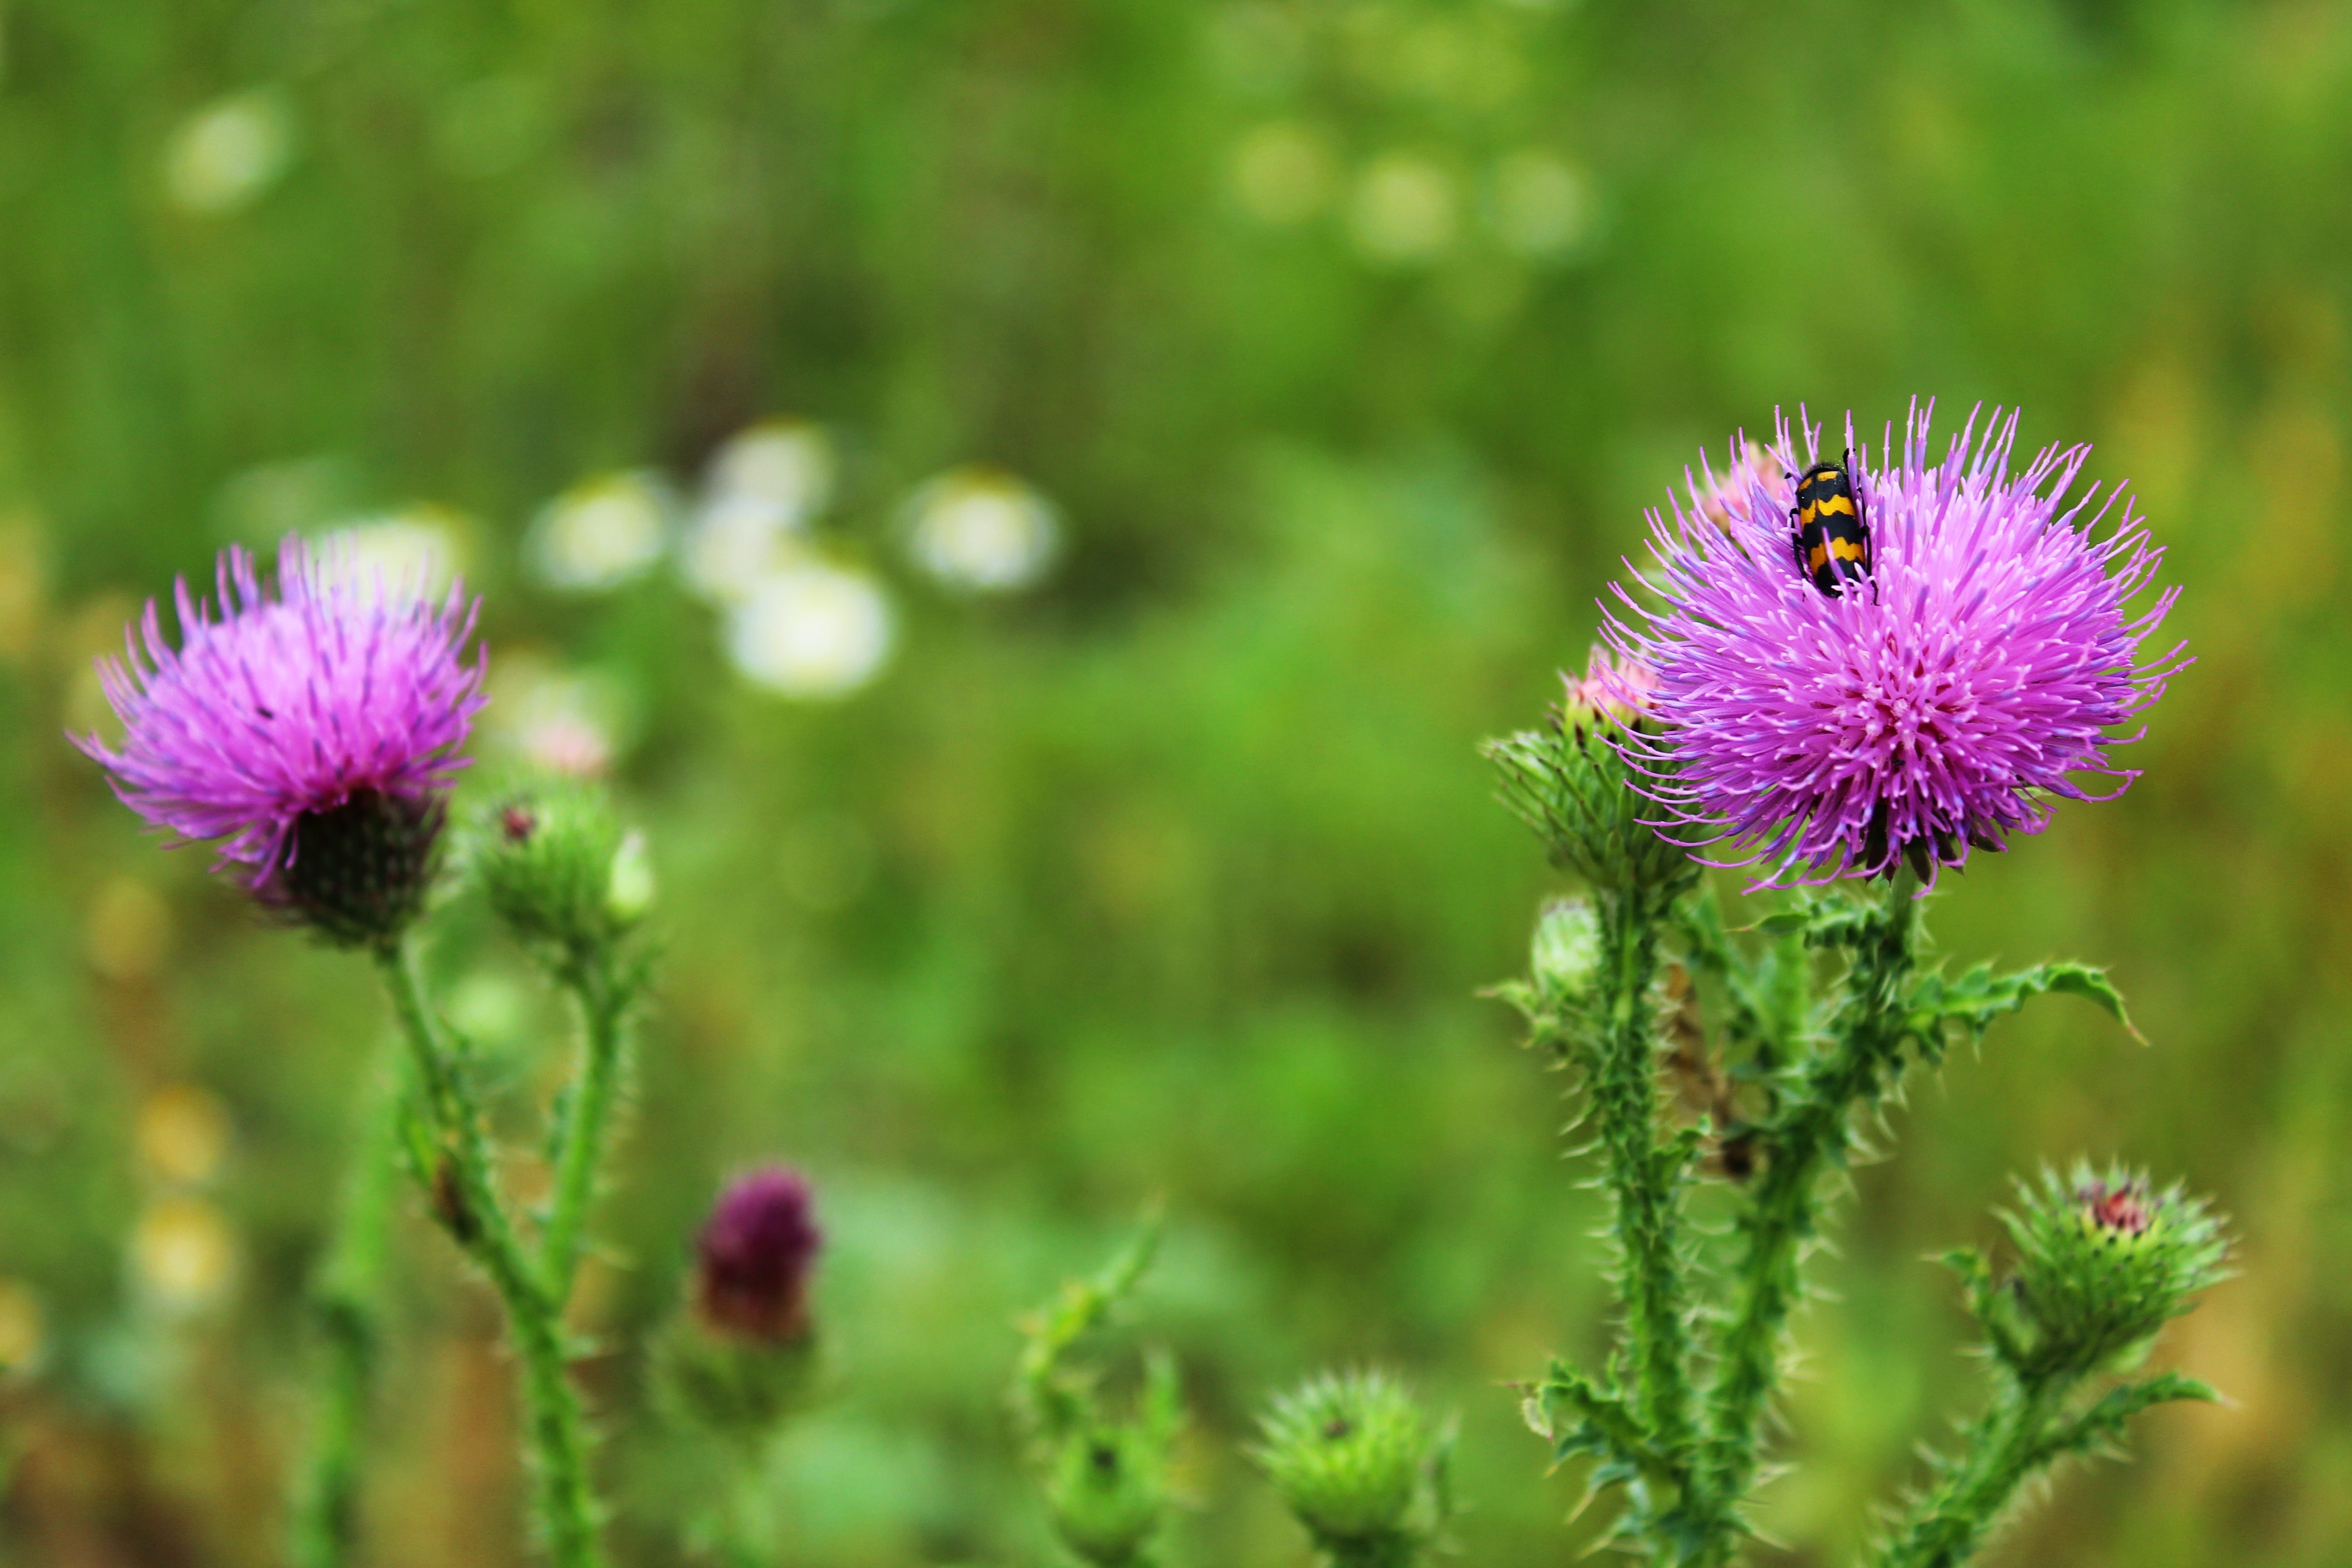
(1828, 534)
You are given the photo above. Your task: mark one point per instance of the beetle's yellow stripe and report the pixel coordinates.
(1827, 505)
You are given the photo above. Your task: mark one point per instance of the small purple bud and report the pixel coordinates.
(756, 1252)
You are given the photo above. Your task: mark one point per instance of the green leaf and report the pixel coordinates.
(1972, 1001)
(2101, 1427)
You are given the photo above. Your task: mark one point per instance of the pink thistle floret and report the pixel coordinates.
(1988, 660)
(278, 705)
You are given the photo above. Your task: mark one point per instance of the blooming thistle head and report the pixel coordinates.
(1569, 782)
(2104, 1262)
(1984, 670)
(754, 1258)
(310, 727)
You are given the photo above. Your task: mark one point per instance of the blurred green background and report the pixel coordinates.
(1339, 344)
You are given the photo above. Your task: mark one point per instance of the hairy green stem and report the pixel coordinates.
(1644, 1175)
(603, 1006)
(464, 1197)
(2000, 1451)
(344, 1303)
(1814, 1132)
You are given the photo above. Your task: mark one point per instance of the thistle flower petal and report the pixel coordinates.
(1988, 667)
(289, 702)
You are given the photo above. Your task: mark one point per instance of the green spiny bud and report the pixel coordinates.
(1355, 1459)
(2104, 1263)
(555, 866)
(1570, 783)
(1107, 1490)
(1565, 958)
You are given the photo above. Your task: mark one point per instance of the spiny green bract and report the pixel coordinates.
(1568, 781)
(1356, 1461)
(2102, 1264)
(552, 858)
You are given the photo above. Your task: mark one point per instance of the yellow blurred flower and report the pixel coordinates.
(1404, 210)
(24, 583)
(183, 1135)
(183, 1255)
(1543, 205)
(23, 1335)
(128, 933)
(1282, 172)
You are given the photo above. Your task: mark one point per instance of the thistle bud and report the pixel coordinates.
(1569, 782)
(556, 868)
(1107, 1491)
(357, 872)
(745, 1355)
(1359, 1465)
(2104, 1262)
(1564, 960)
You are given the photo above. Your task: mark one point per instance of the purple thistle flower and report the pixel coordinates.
(755, 1255)
(311, 730)
(1935, 708)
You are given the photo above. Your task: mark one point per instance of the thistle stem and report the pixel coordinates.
(465, 1199)
(344, 1304)
(604, 1007)
(1814, 1132)
(2001, 1450)
(1645, 1177)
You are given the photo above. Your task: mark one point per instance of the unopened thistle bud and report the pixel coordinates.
(553, 860)
(743, 1356)
(1571, 782)
(755, 1256)
(1107, 1492)
(1564, 960)
(1359, 1465)
(2104, 1262)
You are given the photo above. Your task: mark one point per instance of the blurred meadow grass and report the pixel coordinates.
(1344, 343)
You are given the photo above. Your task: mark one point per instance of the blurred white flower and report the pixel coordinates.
(569, 722)
(811, 630)
(413, 550)
(183, 1255)
(1543, 205)
(788, 463)
(599, 534)
(1282, 173)
(229, 152)
(762, 488)
(1404, 209)
(981, 531)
